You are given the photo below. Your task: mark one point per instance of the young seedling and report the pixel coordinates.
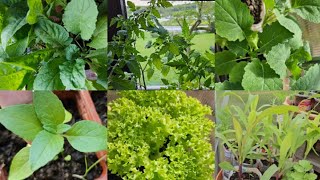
(43, 124)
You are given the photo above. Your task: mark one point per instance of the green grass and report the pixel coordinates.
(202, 43)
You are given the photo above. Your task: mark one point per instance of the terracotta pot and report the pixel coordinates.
(87, 111)
(220, 175)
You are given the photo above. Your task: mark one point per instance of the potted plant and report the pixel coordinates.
(37, 122)
(159, 134)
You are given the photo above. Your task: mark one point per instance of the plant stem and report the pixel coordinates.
(240, 171)
(93, 165)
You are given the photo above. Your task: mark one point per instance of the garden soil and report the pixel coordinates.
(60, 169)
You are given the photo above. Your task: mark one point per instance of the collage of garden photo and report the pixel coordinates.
(160, 89)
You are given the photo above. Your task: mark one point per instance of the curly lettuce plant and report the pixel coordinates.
(128, 68)
(44, 124)
(252, 58)
(53, 44)
(159, 135)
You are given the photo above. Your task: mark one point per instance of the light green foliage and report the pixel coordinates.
(73, 75)
(162, 134)
(80, 17)
(100, 35)
(268, 54)
(35, 9)
(301, 170)
(43, 123)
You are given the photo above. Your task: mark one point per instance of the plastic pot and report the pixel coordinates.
(87, 111)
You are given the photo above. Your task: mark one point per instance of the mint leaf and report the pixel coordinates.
(71, 51)
(10, 78)
(225, 61)
(44, 148)
(49, 108)
(62, 128)
(87, 136)
(48, 77)
(9, 31)
(80, 17)
(277, 58)
(20, 167)
(237, 72)
(259, 76)
(21, 120)
(310, 80)
(233, 19)
(73, 75)
(52, 33)
(100, 35)
(35, 9)
(272, 35)
(307, 9)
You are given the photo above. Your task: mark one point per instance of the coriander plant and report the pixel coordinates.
(263, 58)
(53, 44)
(44, 124)
(159, 135)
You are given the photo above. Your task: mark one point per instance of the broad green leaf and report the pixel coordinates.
(21, 120)
(150, 73)
(72, 74)
(295, 42)
(259, 76)
(307, 9)
(269, 172)
(227, 85)
(80, 17)
(285, 147)
(156, 61)
(166, 4)
(100, 35)
(62, 128)
(30, 61)
(233, 19)
(238, 131)
(10, 78)
(185, 28)
(68, 116)
(87, 136)
(277, 58)
(155, 12)
(225, 61)
(174, 49)
(227, 166)
(134, 67)
(35, 9)
(44, 148)
(122, 84)
(165, 70)
(18, 48)
(71, 51)
(131, 5)
(49, 108)
(52, 33)
(310, 80)
(237, 72)
(272, 35)
(9, 31)
(48, 77)
(20, 167)
(238, 48)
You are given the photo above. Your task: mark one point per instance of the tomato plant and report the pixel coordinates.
(128, 69)
(53, 45)
(46, 129)
(261, 58)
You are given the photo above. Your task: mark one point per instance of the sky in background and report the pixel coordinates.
(145, 2)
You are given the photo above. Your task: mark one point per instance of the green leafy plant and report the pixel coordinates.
(128, 69)
(44, 124)
(53, 45)
(159, 135)
(252, 58)
(301, 170)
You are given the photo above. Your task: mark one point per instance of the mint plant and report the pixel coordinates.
(44, 124)
(129, 69)
(159, 135)
(53, 45)
(301, 170)
(263, 58)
